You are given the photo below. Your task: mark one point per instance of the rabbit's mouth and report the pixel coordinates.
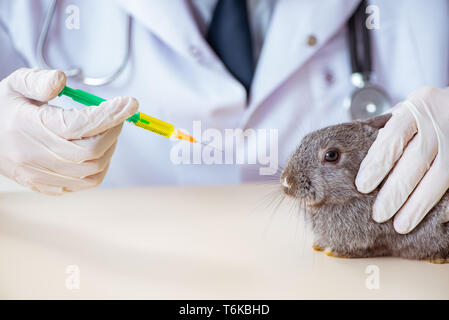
(306, 195)
(313, 203)
(309, 201)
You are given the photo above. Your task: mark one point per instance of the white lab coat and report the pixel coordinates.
(177, 77)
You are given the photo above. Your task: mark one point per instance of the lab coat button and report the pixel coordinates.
(196, 52)
(329, 76)
(311, 40)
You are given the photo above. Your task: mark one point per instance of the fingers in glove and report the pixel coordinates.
(53, 184)
(76, 151)
(40, 85)
(95, 147)
(403, 179)
(55, 151)
(90, 121)
(422, 201)
(80, 170)
(386, 149)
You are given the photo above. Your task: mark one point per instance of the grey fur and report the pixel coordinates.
(341, 216)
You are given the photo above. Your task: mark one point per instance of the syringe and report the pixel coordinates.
(139, 119)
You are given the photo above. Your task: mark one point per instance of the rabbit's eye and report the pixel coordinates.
(332, 156)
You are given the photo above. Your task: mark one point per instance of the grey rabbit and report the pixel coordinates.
(321, 173)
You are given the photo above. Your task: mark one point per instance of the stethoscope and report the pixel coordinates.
(367, 100)
(77, 72)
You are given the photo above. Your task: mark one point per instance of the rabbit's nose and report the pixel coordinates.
(285, 183)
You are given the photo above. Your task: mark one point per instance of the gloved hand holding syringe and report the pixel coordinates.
(55, 150)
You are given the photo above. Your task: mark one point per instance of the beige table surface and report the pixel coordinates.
(215, 242)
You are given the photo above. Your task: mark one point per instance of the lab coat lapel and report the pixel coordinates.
(286, 48)
(172, 21)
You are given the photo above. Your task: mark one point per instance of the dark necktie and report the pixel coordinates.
(229, 35)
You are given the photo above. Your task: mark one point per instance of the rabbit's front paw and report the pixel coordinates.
(438, 261)
(329, 252)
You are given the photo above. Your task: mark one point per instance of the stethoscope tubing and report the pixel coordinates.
(360, 42)
(77, 72)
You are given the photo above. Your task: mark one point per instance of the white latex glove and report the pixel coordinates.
(49, 149)
(414, 148)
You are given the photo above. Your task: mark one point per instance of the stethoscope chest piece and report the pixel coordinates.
(367, 102)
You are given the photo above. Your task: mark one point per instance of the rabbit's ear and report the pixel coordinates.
(378, 122)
